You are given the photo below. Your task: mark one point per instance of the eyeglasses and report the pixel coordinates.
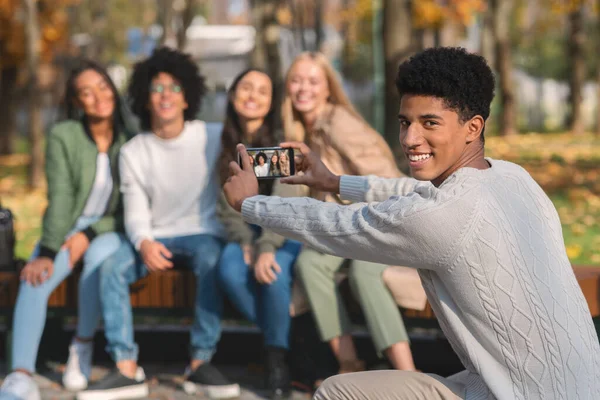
(160, 88)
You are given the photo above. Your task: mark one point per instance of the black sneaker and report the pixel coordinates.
(209, 380)
(115, 385)
(278, 380)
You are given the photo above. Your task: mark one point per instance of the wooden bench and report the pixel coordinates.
(174, 291)
(171, 293)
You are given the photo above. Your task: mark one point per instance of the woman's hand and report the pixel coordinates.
(37, 271)
(248, 251)
(76, 245)
(266, 268)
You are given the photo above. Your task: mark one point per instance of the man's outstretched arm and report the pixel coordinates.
(373, 188)
(420, 230)
(414, 230)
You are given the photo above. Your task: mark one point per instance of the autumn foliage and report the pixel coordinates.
(434, 13)
(53, 19)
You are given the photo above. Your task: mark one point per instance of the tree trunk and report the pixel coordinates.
(318, 24)
(539, 122)
(36, 131)
(397, 46)
(187, 15)
(346, 32)
(598, 103)
(437, 36)
(8, 99)
(598, 86)
(99, 24)
(486, 46)
(501, 10)
(577, 78)
(298, 23)
(266, 50)
(166, 8)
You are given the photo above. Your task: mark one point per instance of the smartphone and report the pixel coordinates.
(271, 162)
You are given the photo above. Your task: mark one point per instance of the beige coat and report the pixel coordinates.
(349, 146)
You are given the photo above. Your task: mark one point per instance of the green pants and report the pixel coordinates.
(317, 272)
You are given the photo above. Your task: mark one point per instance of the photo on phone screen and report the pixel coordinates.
(271, 162)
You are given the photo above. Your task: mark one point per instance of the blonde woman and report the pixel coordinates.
(284, 164)
(317, 111)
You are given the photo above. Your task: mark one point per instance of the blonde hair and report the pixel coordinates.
(284, 167)
(293, 127)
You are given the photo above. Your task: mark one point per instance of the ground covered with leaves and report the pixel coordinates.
(566, 166)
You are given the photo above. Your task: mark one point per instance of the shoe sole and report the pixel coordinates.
(74, 387)
(129, 392)
(213, 392)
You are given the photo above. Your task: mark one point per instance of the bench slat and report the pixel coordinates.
(176, 290)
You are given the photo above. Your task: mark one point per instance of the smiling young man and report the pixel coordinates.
(170, 189)
(486, 239)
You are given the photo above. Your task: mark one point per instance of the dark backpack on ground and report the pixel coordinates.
(7, 240)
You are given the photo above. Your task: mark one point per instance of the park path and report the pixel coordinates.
(164, 382)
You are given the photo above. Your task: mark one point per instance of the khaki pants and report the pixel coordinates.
(317, 272)
(389, 385)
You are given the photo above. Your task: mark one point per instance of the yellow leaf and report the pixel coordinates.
(574, 251)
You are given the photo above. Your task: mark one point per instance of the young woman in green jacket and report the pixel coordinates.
(83, 202)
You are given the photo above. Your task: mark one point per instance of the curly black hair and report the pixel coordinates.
(463, 80)
(259, 155)
(173, 62)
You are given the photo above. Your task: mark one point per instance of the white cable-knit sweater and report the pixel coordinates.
(490, 252)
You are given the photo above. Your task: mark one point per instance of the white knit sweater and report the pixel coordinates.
(490, 252)
(170, 186)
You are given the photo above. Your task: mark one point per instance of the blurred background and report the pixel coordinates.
(545, 54)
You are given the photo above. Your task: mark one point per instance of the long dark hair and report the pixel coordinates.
(274, 166)
(73, 112)
(232, 129)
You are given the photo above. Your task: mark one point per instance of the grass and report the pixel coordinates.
(581, 230)
(567, 167)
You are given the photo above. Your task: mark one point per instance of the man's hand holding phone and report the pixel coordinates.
(242, 182)
(314, 173)
(155, 255)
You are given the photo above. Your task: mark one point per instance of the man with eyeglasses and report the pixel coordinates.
(170, 189)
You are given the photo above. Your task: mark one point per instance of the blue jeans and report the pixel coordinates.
(32, 301)
(268, 306)
(201, 254)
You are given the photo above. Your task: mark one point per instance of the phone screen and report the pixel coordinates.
(271, 162)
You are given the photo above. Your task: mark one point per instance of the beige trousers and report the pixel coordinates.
(317, 272)
(389, 385)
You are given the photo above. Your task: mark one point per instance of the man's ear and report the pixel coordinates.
(474, 128)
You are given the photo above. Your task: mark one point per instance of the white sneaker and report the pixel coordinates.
(19, 386)
(79, 366)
